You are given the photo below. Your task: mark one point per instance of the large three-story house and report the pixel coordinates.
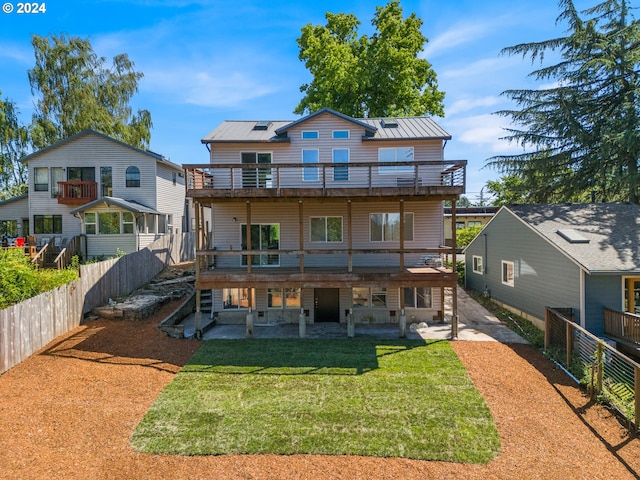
(325, 219)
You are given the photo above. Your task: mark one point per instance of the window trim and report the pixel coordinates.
(339, 171)
(395, 170)
(335, 134)
(510, 282)
(283, 293)
(93, 223)
(250, 292)
(56, 220)
(414, 290)
(40, 187)
(311, 174)
(477, 264)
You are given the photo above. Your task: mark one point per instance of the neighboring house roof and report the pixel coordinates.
(399, 128)
(14, 199)
(156, 156)
(601, 237)
(471, 211)
(130, 205)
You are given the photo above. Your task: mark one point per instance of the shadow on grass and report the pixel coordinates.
(297, 356)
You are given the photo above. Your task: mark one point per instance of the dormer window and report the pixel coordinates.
(310, 135)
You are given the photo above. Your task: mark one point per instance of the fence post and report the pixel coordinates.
(599, 366)
(636, 396)
(547, 328)
(568, 343)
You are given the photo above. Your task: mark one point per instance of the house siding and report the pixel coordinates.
(601, 291)
(15, 210)
(543, 276)
(170, 196)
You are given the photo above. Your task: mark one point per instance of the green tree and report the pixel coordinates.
(78, 91)
(369, 77)
(582, 135)
(14, 139)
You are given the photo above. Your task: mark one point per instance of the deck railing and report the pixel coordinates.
(79, 193)
(368, 175)
(622, 325)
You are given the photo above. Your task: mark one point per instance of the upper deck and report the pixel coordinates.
(434, 179)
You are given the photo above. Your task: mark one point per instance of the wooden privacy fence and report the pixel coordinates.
(602, 369)
(30, 325)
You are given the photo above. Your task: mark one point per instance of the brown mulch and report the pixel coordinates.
(68, 412)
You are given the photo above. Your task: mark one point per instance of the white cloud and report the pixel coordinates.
(483, 132)
(460, 34)
(22, 54)
(470, 103)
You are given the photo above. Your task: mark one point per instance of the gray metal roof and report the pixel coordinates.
(14, 199)
(130, 205)
(408, 128)
(608, 234)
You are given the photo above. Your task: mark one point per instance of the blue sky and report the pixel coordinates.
(209, 61)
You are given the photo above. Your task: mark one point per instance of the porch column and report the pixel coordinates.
(349, 238)
(454, 293)
(248, 237)
(301, 234)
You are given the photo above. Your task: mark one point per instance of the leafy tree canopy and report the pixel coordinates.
(14, 140)
(363, 76)
(77, 90)
(582, 134)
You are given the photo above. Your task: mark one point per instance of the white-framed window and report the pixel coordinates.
(310, 174)
(419, 297)
(237, 298)
(57, 175)
(128, 222)
(375, 297)
(340, 155)
(132, 177)
(477, 265)
(282, 298)
(41, 179)
(508, 274)
(399, 154)
(263, 237)
(385, 227)
(90, 223)
(310, 135)
(340, 134)
(325, 229)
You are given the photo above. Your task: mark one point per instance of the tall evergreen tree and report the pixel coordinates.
(581, 135)
(13, 146)
(369, 77)
(78, 91)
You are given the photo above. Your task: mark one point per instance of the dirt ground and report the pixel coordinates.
(68, 412)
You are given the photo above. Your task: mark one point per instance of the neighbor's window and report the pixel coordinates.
(310, 134)
(460, 225)
(507, 273)
(41, 179)
(109, 223)
(418, 297)
(474, 223)
(127, 222)
(310, 174)
(385, 227)
(133, 177)
(90, 223)
(326, 229)
(477, 265)
(237, 298)
(9, 228)
(400, 154)
(47, 224)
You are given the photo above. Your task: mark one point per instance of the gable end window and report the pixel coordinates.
(507, 273)
(133, 177)
(339, 134)
(310, 135)
(477, 265)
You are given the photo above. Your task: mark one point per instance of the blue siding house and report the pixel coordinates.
(579, 256)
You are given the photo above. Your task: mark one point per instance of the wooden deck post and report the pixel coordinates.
(248, 237)
(454, 293)
(636, 396)
(349, 238)
(401, 235)
(568, 344)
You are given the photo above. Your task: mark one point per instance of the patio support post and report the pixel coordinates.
(351, 328)
(302, 324)
(249, 330)
(349, 238)
(454, 292)
(301, 234)
(198, 315)
(401, 235)
(248, 237)
(403, 324)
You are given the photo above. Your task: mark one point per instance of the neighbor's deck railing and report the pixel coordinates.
(606, 372)
(368, 175)
(622, 325)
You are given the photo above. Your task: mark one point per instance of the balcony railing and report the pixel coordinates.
(77, 193)
(326, 179)
(622, 325)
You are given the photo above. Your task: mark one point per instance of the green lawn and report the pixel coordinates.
(386, 398)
